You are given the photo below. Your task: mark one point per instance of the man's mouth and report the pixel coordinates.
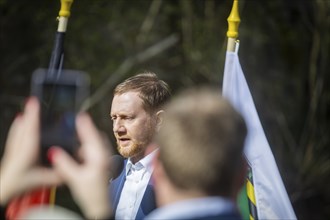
(123, 140)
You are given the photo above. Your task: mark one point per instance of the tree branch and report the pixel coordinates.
(127, 66)
(148, 22)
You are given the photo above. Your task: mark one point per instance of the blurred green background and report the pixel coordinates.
(284, 52)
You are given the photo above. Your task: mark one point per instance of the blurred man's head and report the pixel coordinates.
(136, 113)
(201, 143)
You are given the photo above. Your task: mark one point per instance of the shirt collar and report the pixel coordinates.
(145, 162)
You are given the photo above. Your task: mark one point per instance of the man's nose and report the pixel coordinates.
(118, 126)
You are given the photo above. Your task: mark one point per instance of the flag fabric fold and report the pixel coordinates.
(23, 203)
(272, 200)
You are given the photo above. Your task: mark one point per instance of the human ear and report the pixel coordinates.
(159, 119)
(157, 168)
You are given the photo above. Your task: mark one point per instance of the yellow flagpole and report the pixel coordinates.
(233, 23)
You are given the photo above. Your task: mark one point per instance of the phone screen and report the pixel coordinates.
(58, 112)
(60, 99)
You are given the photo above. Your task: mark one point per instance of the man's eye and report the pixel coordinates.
(129, 118)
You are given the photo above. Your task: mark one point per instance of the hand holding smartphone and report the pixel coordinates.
(60, 96)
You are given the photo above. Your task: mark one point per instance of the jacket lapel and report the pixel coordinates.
(116, 186)
(148, 202)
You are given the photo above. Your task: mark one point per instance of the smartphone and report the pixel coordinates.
(61, 96)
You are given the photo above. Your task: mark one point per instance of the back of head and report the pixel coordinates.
(153, 91)
(201, 142)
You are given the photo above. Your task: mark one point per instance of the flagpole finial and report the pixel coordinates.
(63, 15)
(233, 21)
(65, 8)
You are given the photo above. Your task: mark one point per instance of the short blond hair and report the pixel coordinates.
(153, 91)
(201, 141)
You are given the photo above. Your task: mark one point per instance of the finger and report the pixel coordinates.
(86, 129)
(45, 177)
(63, 164)
(32, 105)
(106, 141)
(31, 122)
(14, 135)
(90, 138)
(29, 137)
(18, 127)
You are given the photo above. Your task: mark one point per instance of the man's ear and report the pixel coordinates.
(162, 184)
(157, 167)
(159, 119)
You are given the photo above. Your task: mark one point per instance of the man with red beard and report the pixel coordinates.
(137, 115)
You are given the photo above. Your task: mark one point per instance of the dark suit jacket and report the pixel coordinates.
(148, 202)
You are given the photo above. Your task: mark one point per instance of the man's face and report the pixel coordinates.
(133, 127)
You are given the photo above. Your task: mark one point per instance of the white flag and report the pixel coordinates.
(272, 200)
